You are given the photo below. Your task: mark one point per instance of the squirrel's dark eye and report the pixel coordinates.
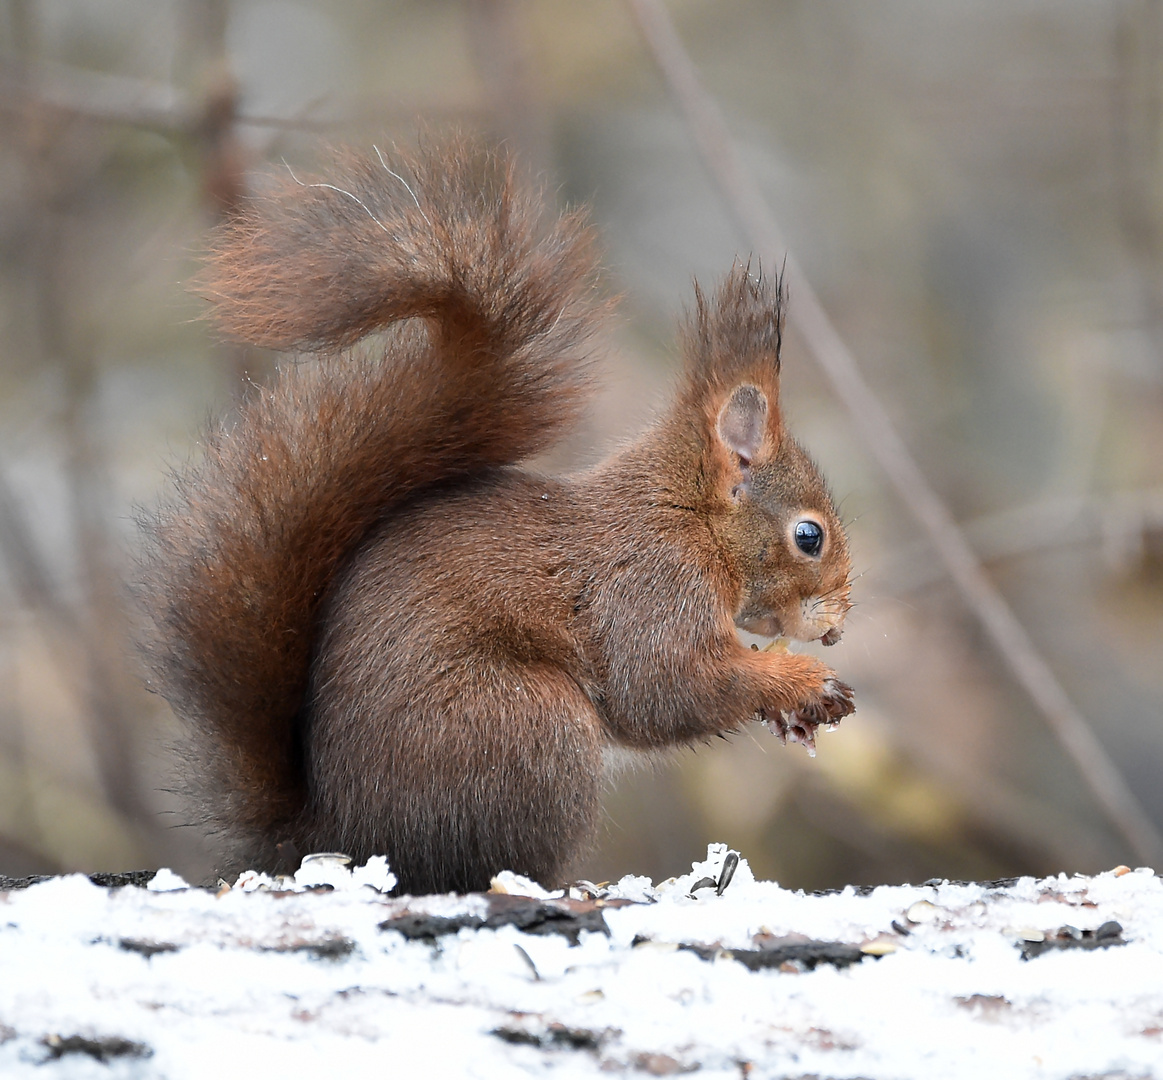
(809, 537)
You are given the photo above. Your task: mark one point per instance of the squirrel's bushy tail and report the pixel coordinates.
(237, 563)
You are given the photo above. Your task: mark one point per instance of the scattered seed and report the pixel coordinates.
(922, 911)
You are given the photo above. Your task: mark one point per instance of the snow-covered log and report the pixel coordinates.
(328, 976)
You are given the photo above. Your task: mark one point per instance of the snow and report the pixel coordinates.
(283, 978)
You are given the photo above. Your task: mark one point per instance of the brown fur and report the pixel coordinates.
(386, 638)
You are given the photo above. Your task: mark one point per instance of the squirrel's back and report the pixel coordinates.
(486, 306)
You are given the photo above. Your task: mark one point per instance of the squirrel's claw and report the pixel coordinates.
(800, 724)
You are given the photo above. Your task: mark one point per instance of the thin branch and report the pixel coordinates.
(96, 95)
(102, 97)
(1119, 522)
(744, 199)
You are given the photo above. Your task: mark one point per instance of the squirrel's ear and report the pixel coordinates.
(743, 424)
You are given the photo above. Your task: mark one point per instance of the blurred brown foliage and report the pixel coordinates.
(975, 191)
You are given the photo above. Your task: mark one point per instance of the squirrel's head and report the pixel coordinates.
(777, 522)
(769, 507)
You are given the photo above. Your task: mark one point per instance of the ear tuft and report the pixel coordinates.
(743, 422)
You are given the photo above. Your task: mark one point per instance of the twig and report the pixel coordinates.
(96, 95)
(722, 160)
(102, 97)
(1119, 522)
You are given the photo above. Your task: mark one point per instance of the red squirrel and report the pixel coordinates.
(384, 635)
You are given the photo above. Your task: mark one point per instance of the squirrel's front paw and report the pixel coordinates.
(824, 709)
(832, 704)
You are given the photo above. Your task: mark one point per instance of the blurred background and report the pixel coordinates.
(975, 189)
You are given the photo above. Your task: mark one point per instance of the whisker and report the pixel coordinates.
(407, 186)
(332, 187)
